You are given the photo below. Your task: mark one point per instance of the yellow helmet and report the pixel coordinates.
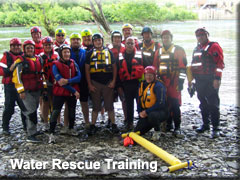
(60, 30)
(86, 32)
(75, 36)
(125, 26)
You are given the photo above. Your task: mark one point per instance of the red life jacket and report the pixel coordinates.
(10, 59)
(47, 65)
(38, 48)
(202, 62)
(67, 72)
(31, 74)
(115, 50)
(137, 67)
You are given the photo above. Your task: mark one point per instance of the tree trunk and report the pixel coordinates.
(99, 18)
(48, 25)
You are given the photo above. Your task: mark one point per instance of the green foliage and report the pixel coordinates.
(60, 12)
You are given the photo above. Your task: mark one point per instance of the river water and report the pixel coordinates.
(222, 31)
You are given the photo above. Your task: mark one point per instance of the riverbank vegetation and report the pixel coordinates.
(60, 12)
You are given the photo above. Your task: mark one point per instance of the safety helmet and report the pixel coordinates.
(36, 29)
(86, 32)
(166, 32)
(116, 33)
(62, 47)
(150, 69)
(97, 36)
(75, 36)
(60, 30)
(15, 41)
(201, 31)
(47, 40)
(27, 42)
(125, 26)
(147, 29)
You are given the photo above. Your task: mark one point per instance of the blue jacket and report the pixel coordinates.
(80, 58)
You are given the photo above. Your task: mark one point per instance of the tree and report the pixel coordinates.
(48, 21)
(98, 16)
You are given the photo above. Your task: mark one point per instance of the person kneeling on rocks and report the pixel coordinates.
(65, 89)
(151, 103)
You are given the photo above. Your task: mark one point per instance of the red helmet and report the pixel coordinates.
(166, 32)
(28, 42)
(201, 31)
(47, 40)
(36, 29)
(15, 41)
(150, 69)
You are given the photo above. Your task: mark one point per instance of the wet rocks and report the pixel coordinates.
(213, 157)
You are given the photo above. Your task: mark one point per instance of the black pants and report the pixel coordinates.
(153, 120)
(130, 89)
(209, 101)
(11, 96)
(174, 113)
(58, 102)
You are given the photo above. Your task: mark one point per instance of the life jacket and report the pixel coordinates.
(10, 57)
(47, 63)
(38, 48)
(148, 53)
(168, 65)
(137, 68)
(100, 61)
(67, 72)
(31, 73)
(147, 95)
(115, 50)
(202, 62)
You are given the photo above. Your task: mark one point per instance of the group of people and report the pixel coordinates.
(54, 73)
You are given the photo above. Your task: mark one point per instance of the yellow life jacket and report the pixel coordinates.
(168, 64)
(147, 95)
(100, 61)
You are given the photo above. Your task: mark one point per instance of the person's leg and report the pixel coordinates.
(214, 103)
(71, 103)
(8, 107)
(202, 88)
(31, 103)
(22, 107)
(143, 126)
(123, 100)
(58, 102)
(96, 101)
(66, 120)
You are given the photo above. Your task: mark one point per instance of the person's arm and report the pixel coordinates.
(87, 72)
(17, 77)
(180, 55)
(114, 68)
(58, 77)
(218, 57)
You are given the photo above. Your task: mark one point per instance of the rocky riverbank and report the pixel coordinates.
(213, 158)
